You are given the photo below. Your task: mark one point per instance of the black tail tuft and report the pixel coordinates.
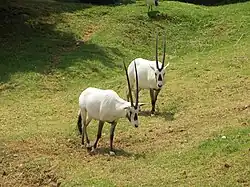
(79, 123)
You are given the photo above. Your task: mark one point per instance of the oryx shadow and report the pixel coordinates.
(158, 16)
(211, 2)
(104, 151)
(167, 115)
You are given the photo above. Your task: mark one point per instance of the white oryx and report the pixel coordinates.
(150, 4)
(106, 106)
(151, 75)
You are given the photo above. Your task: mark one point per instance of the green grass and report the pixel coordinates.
(44, 68)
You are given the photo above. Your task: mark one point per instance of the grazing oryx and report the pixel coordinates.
(150, 74)
(150, 4)
(106, 106)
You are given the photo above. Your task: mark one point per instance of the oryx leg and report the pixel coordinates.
(156, 95)
(152, 96)
(112, 131)
(83, 114)
(99, 133)
(85, 122)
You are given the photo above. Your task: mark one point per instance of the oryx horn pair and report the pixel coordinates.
(164, 53)
(129, 87)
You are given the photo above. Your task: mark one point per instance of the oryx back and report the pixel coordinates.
(102, 104)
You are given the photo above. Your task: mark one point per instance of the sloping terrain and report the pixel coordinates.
(50, 51)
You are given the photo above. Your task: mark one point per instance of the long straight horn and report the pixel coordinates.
(137, 87)
(129, 88)
(164, 52)
(156, 49)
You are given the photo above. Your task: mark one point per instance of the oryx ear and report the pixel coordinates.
(126, 107)
(152, 67)
(141, 104)
(166, 66)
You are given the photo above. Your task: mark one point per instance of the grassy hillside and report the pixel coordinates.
(50, 51)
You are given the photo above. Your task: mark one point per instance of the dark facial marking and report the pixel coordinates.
(160, 78)
(136, 117)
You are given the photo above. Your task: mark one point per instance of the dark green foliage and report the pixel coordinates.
(212, 2)
(99, 2)
(107, 2)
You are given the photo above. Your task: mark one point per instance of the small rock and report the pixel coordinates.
(111, 153)
(150, 130)
(58, 183)
(171, 130)
(223, 137)
(227, 165)
(241, 181)
(244, 123)
(4, 173)
(53, 184)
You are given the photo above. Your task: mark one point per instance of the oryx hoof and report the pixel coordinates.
(111, 153)
(89, 147)
(93, 151)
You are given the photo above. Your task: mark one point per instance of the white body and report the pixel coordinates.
(150, 2)
(104, 105)
(146, 75)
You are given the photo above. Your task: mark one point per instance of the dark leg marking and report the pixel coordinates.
(152, 96)
(83, 129)
(99, 133)
(112, 130)
(156, 95)
(86, 134)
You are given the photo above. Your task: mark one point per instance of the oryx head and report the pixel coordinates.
(159, 72)
(133, 110)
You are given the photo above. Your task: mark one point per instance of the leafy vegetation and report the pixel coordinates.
(50, 51)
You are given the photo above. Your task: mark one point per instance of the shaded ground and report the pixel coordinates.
(212, 2)
(200, 135)
(29, 33)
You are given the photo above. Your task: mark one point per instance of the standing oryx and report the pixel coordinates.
(106, 106)
(151, 74)
(150, 4)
